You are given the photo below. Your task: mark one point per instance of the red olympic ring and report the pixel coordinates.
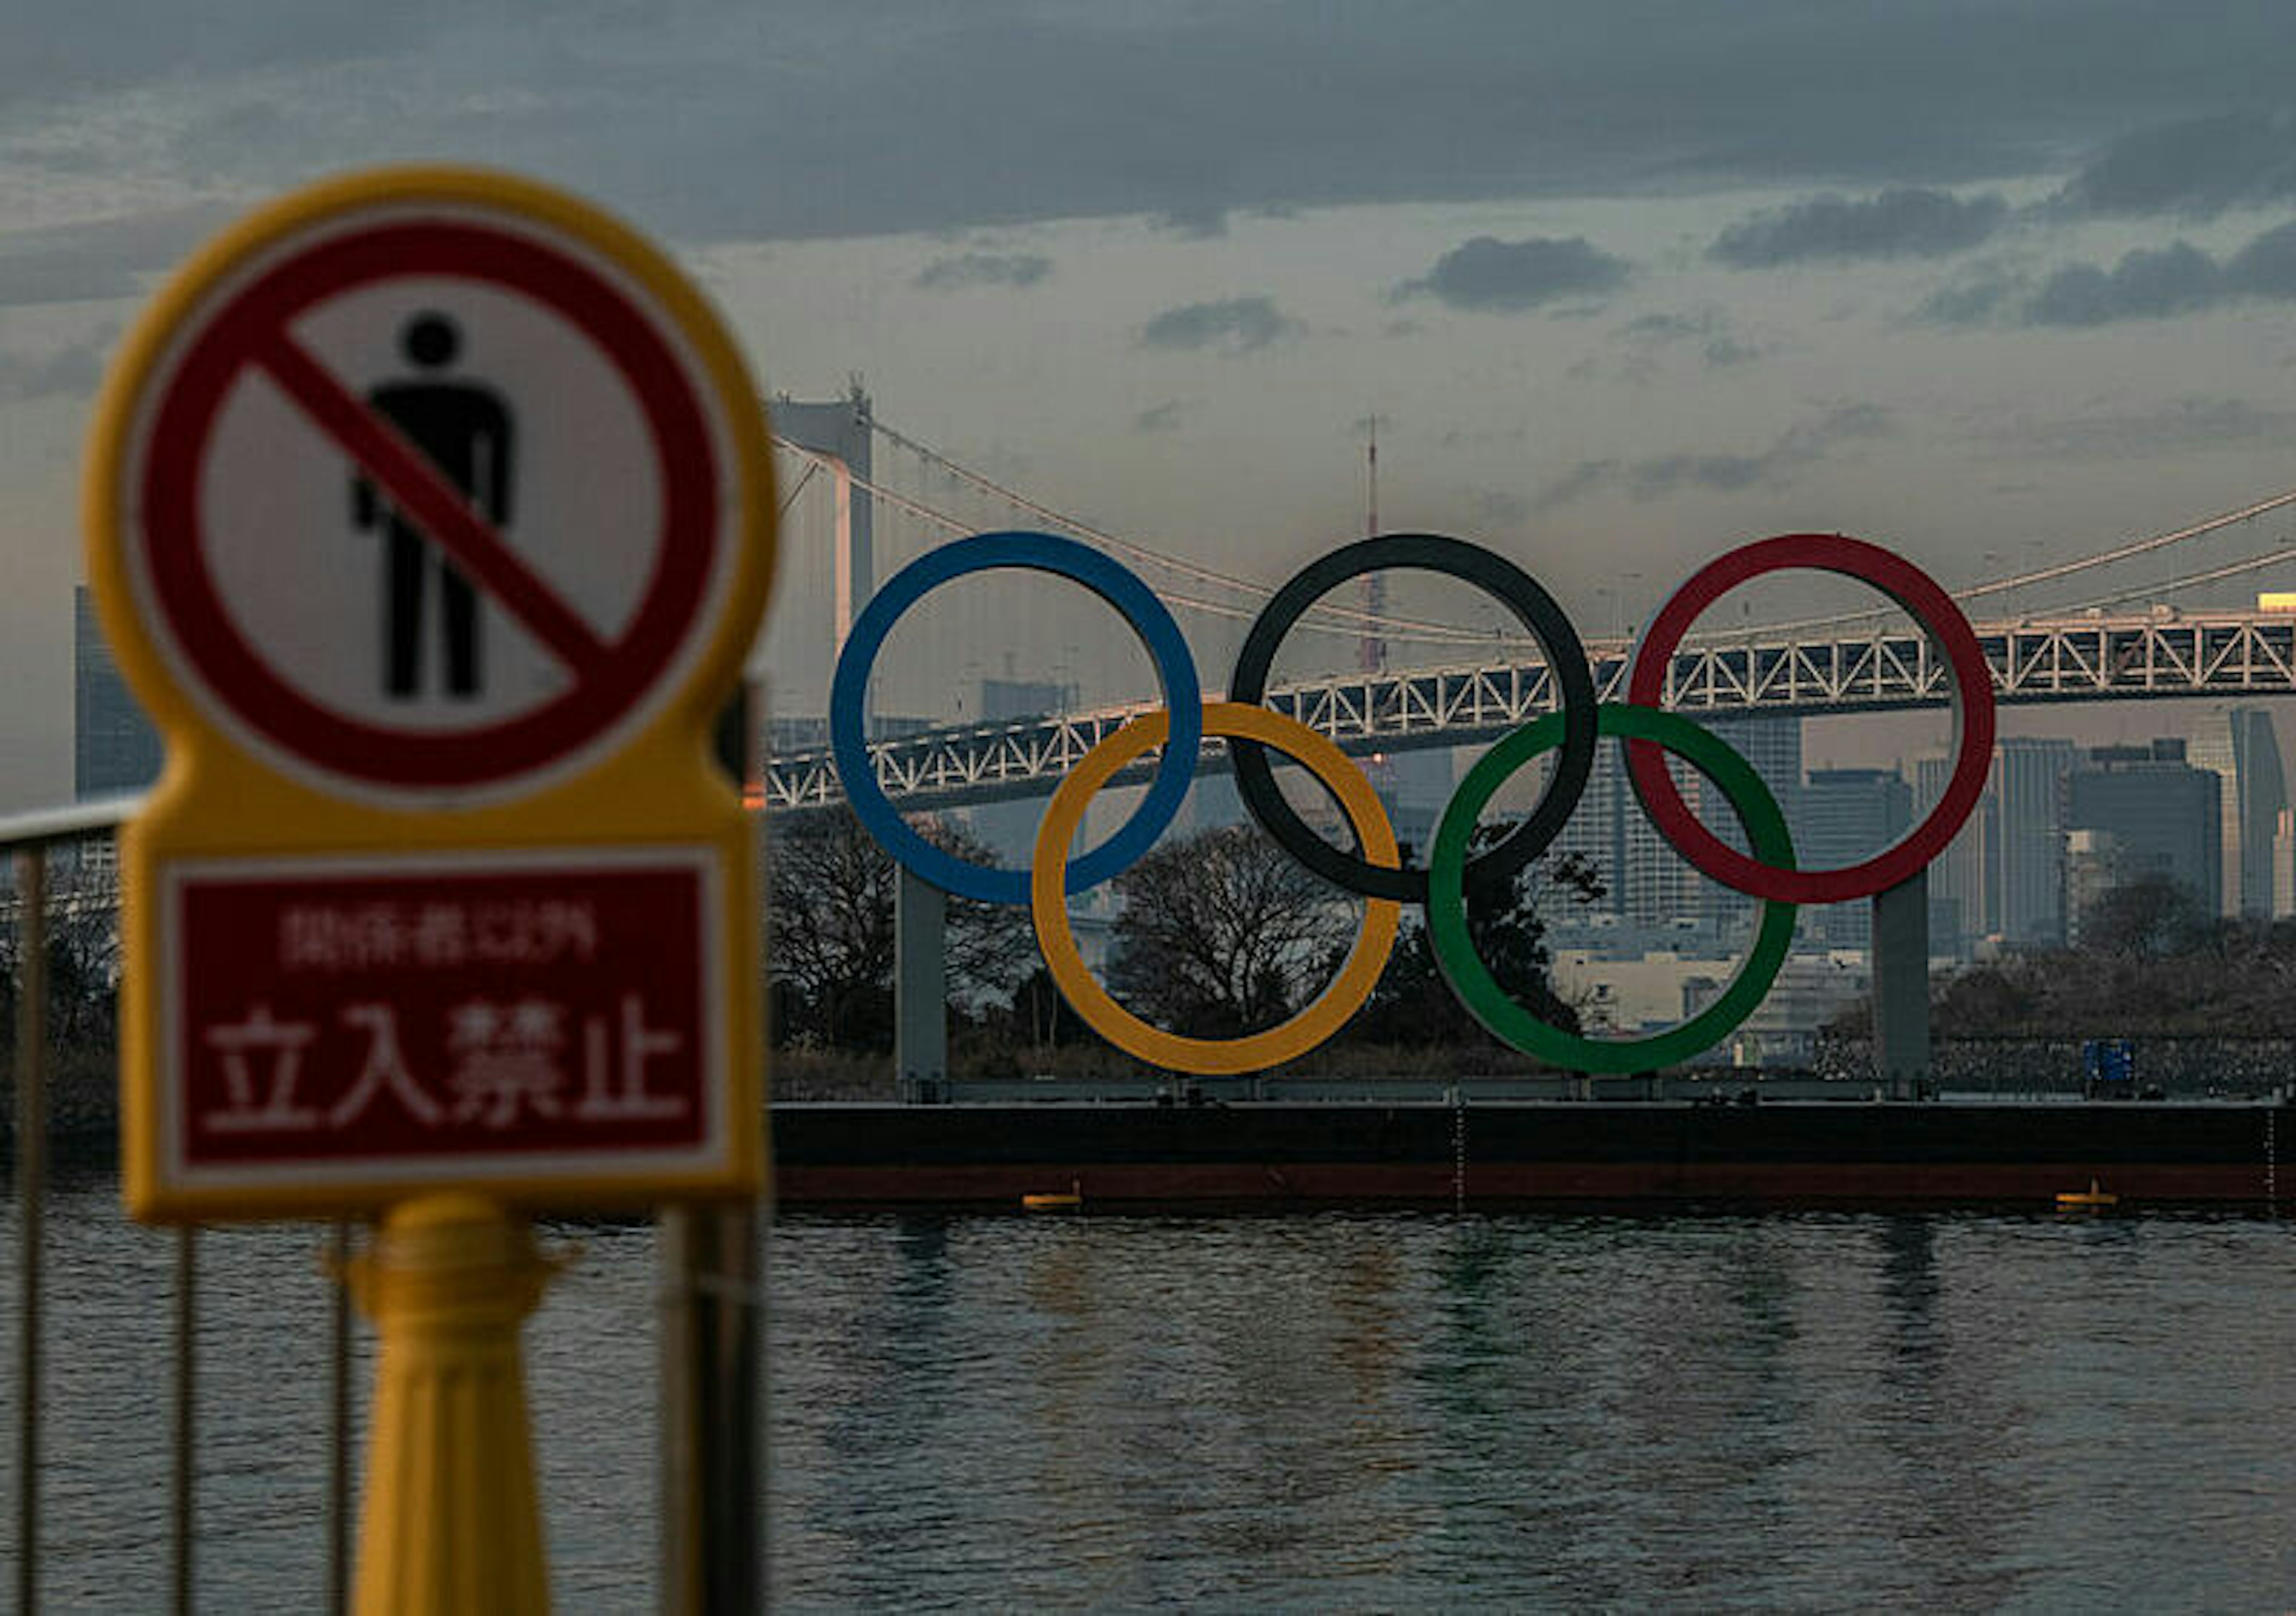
(1948, 629)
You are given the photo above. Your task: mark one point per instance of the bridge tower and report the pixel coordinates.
(840, 431)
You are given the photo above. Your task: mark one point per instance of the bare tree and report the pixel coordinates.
(1223, 932)
(831, 951)
(83, 958)
(2150, 917)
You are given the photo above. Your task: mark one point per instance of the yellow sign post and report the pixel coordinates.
(428, 513)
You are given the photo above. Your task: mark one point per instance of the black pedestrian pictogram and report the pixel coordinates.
(560, 686)
(464, 430)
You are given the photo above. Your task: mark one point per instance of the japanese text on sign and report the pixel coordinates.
(367, 1015)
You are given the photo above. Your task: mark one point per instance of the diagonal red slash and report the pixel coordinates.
(415, 485)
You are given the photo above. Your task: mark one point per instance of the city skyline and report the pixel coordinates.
(2003, 877)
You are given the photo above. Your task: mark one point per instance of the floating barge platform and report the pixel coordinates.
(1273, 1154)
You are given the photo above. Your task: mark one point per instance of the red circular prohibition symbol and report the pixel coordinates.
(1973, 707)
(608, 677)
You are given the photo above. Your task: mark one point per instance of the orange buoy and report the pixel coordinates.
(1069, 1200)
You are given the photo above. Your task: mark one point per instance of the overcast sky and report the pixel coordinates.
(1623, 283)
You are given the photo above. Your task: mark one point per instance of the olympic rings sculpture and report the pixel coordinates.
(1375, 871)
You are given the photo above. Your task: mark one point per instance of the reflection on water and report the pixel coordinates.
(1321, 1412)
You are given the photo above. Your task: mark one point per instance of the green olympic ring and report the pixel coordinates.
(1758, 813)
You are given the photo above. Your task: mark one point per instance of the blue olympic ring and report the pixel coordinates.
(1121, 587)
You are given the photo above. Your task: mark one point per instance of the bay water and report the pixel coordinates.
(1328, 1412)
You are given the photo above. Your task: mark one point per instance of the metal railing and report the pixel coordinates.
(711, 1550)
(30, 837)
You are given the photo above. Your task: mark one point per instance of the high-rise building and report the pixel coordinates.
(2092, 870)
(1847, 816)
(2160, 815)
(1958, 911)
(1413, 786)
(2238, 746)
(2027, 869)
(2003, 875)
(1772, 743)
(1596, 830)
(114, 746)
(1647, 883)
(2284, 865)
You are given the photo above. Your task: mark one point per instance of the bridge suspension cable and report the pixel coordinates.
(925, 513)
(2280, 556)
(1329, 616)
(1332, 618)
(2142, 546)
(2147, 545)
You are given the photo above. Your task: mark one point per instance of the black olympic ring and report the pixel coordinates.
(1504, 582)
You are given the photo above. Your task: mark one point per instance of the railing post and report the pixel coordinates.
(183, 1470)
(712, 1349)
(338, 1428)
(31, 1190)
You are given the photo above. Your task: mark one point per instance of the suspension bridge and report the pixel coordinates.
(2114, 641)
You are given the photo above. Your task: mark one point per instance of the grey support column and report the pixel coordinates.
(841, 432)
(919, 989)
(1901, 988)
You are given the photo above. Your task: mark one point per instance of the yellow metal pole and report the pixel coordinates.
(452, 1525)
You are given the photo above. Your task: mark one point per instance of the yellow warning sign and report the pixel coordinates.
(429, 513)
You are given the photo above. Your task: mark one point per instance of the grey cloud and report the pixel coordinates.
(1903, 221)
(2196, 167)
(983, 269)
(1203, 222)
(2267, 267)
(1798, 446)
(74, 369)
(1483, 435)
(1238, 325)
(1489, 275)
(1164, 417)
(1707, 329)
(100, 258)
(92, 45)
(1497, 508)
(2173, 280)
(1587, 477)
(2178, 428)
(57, 277)
(1668, 327)
(2146, 283)
(911, 116)
(1974, 301)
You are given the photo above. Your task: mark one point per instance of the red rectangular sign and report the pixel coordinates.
(350, 1021)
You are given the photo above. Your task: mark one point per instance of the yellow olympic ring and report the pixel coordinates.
(1212, 1057)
